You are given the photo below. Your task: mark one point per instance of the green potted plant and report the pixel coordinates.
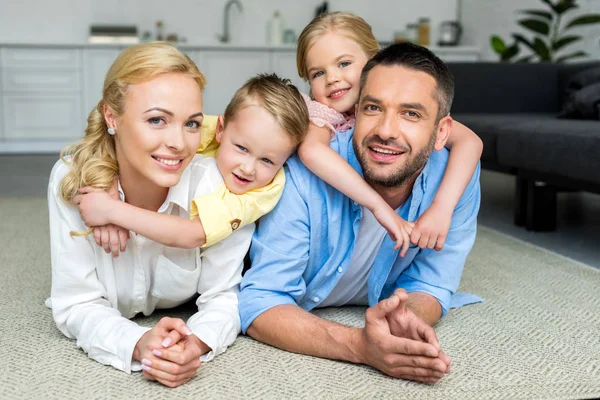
(551, 34)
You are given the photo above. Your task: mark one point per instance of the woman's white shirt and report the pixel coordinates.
(93, 294)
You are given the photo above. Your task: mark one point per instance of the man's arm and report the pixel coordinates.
(290, 328)
(433, 276)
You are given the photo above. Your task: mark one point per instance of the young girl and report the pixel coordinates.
(332, 51)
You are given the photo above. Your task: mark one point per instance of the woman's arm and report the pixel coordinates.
(98, 208)
(83, 308)
(324, 162)
(217, 322)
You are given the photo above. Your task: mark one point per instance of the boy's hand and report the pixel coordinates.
(94, 205)
(431, 229)
(112, 238)
(398, 229)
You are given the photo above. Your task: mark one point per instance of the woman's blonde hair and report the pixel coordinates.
(279, 98)
(347, 24)
(93, 160)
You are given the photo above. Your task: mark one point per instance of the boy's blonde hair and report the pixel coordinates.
(279, 98)
(347, 24)
(93, 159)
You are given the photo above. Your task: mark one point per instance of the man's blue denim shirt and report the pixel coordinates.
(301, 249)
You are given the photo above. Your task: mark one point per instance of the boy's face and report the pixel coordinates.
(253, 148)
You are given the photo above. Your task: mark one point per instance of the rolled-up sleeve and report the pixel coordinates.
(438, 272)
(279, 255)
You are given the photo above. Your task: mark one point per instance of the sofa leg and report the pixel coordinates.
(521, 191)
(535, 206)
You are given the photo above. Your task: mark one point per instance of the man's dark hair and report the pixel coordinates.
(417, 58)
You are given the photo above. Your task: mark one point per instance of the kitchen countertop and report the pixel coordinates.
(217, 46)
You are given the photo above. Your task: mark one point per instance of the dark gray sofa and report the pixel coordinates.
(514, 108)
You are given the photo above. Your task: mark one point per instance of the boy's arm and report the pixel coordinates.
(328, 165)
(98, 208)
(222, 212)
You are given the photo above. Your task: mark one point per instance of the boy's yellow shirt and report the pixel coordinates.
(222, 212)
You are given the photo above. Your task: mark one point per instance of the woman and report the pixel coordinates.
(144, 133)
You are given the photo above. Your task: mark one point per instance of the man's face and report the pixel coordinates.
(395, 130)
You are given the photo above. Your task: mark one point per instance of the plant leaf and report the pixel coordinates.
(523, 39)
(541, 49)
(550, 4)
(510, 52)
(563, 41)
(572, 55)
(584, 20)
(535, 25)
(564, 6)
(525, 59)
(543, 14)
(498, 44)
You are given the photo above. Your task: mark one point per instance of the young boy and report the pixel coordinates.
(262, 126)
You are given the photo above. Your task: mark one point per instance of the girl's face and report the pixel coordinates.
(159, 131)
(334, 63)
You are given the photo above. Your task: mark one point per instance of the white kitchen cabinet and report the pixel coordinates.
(27, 79)
(41, 116)
(226, 71)
(96, 63)
(283, 63)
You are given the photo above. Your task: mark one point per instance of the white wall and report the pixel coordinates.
(68, 21)
(484, 18)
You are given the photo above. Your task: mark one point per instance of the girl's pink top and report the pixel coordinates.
(321, 115)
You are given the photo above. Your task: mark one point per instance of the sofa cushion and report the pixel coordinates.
(583, 95)
(567, 148)
(497, 88)
(489, 126)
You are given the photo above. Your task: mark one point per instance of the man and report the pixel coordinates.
(317, 248)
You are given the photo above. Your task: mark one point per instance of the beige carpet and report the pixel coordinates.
(536, 337)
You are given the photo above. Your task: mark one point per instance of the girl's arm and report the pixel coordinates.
(98, 208)
(465, 151)
(324, 162)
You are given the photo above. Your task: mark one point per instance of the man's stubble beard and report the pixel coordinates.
(404, 173)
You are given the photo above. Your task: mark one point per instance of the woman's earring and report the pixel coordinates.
(111, 131)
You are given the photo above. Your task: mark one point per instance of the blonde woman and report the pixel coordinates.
(144, 135)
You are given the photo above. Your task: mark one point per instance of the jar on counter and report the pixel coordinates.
(424, 29)
(412, 33)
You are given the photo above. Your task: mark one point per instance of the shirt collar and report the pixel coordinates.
(177, 194)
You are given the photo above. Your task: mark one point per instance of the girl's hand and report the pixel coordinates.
(398, 229)
(94, 206)
(431, 229)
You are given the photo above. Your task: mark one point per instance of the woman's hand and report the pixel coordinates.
(169, 352)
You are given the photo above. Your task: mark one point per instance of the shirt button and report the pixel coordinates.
(340, 269)
(315, 299)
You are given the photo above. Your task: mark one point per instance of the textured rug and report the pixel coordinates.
(537, 336)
